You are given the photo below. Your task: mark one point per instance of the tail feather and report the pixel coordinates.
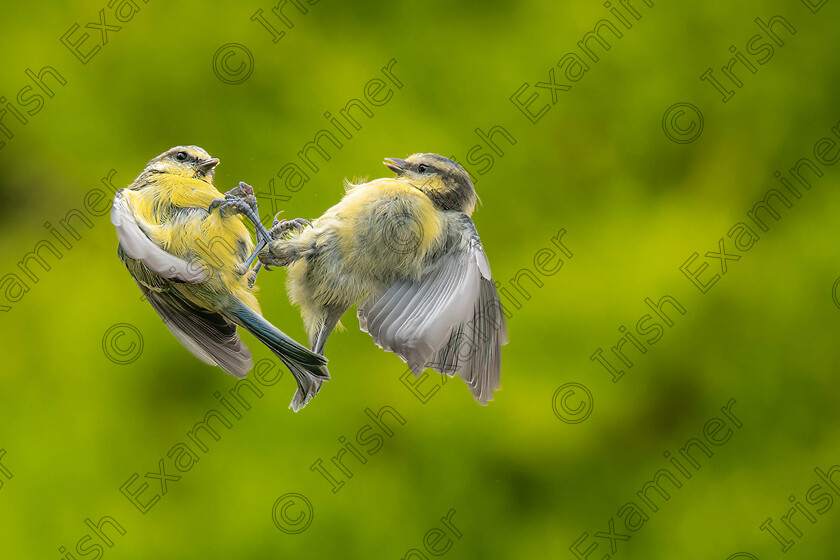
(308, 386)
(309, 369)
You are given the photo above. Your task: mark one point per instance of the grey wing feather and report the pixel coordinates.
(137, 245)
(208, 335)
(451, 320)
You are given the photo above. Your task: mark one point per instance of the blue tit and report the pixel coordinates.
(407, 252)
(182, 242)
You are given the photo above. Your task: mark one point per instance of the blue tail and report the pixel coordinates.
(309, 369)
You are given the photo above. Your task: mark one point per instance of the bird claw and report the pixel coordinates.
(238, 200)
(267, 256)
(229, 207)
(242, 190)
(267, 260)
(242, 200)
(252, 277)
(215, 204)
(281, 227)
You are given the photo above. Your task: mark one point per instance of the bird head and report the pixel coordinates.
(440, 178)
(185, 161)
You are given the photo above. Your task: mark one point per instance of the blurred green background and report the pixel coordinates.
(75, 426)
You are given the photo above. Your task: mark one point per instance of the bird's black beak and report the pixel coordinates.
(207, 165)
(396, 165)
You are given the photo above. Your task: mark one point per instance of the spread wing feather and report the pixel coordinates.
(209, 336)
(451, 320)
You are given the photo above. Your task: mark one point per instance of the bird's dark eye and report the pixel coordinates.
(422, 168)
(181, 156)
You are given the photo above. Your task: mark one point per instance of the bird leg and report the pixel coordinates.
(319, 340)
(241, 200)
(282, 254)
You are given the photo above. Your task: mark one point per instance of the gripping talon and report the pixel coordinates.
(241, 200)
(216, 203)
(252, 278)
(282, 226)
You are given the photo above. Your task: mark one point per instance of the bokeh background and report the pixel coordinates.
(75, 426)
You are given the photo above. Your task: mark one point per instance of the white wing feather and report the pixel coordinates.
(139, 247)
(451, 320)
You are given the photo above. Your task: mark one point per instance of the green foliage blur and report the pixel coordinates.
(75, 426)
